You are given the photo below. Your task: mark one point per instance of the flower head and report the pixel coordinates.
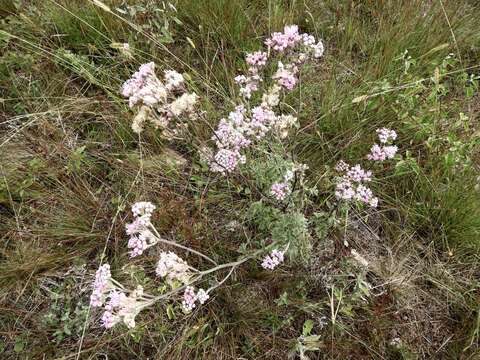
(357, 174)
(173, 79)
(101, 285)
(345, 190)
(109, 320)
(257, 59)
(143, 208)
(183, 104)
(123, 308)
(288, 39)
(225, 161)
(280, 191)
(385, 135)
(144, 87)
(137, 244)
(382, 153)
(202, 296)
(272, 260)
(189, 299)
(173, 267)
(342, 166)
(285, 75)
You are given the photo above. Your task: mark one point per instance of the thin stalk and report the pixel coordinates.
(158, 238)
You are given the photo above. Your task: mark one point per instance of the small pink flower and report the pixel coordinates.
(390, 151)
(257, 58)
(101, 285)
(280, 191)
(272, 260)
(189, 299)
(382, 153)
(225, 161)
(137, 244)
(376, 153)
(363, 194)
(109, 320)
(357, 174)
(285, 76)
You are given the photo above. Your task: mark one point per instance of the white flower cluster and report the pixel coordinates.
(143, 208)
(173, 268)
(161, 100)
(123, 308)
(190, 298)
(384, 151)
(141, 237)
(119, 306)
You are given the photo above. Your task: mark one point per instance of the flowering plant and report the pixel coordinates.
(243, 133)
(249, 123)
(121, 304)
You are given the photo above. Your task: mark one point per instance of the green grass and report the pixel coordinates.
(70, 167)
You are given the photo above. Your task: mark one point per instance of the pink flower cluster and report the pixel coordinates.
(351, 184)
(101, 285)
(272, 260)
(250, 83)
(384, 151)
(385, 135)
(257, 59)
(280, 41)
(119, 306)
(280, 190)
(243, 127)
(239, 130)
(141, 237)
(190, 298)
(291, 37)
(286, 75)
(226, 161)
